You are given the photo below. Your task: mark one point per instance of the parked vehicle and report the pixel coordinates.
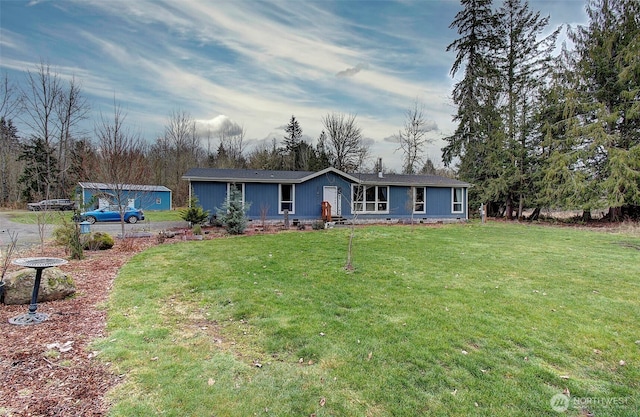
(53, 204)
(112, 214)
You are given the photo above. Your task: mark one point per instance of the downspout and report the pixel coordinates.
(466, 201)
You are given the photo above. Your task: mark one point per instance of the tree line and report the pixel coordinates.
(536, 128)
(58, 152)
(539, 129)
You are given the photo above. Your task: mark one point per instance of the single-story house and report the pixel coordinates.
(302, 195)
(146, 197)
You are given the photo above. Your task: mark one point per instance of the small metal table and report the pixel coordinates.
(39, 264)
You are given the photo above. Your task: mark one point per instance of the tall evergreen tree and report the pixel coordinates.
(607, 140)
(523, 64)
(321, 158)
(505, 56)
(293, 146)
(474, 93)
(9, 151)
(40, 171)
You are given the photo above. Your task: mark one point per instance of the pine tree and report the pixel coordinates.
(474, 94)
(495, 141)
(608, 138)
(233, 213)
(293, 145)
(40, 171)
(9, 150)
(523, 59)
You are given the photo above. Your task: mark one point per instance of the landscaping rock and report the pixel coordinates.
(54, 285)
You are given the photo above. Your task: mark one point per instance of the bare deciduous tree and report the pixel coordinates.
(412, 138)
(40, 101)
(232, 142)
(344, 143)
(9, 98)
(53, 112)
(183, 151)
(72, 108)
(121, 159)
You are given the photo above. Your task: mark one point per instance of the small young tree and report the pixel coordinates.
(5, 257)
(195, 214)
(233, 214)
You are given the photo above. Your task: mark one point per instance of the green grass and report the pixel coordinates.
(460, 320)
(40, 217)
(56, 217)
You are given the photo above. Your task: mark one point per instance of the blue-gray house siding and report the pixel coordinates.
(388, 197)
(146, 197)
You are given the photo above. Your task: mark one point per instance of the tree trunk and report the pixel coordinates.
(535, 215)
(509, 208)
(615, 214)
(521, 207)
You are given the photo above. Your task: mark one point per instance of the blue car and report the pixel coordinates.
(112, 214)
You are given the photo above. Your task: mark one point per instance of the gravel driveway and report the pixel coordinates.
(29, 234)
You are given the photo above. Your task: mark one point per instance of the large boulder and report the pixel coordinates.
(54, 285)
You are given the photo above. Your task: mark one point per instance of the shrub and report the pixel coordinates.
(98, 241)
(233, 214)
(195, 214)
(317, 225)
(68, 235)
(197, 229)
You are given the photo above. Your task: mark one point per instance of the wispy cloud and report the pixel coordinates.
(249, 63)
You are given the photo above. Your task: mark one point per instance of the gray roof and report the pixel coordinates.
(128, 187)
(269, 176)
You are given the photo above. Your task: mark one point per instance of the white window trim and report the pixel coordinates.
(364, 202)
(453, 202)
(424, 203)
(241, 188)
(293, 199)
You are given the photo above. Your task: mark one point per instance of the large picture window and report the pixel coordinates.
(286, 198)
(370, 199)
(457, 200)
(419, 200)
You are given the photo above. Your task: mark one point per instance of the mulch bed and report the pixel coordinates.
(39, 374)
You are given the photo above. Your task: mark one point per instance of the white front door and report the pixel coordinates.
(330, 194)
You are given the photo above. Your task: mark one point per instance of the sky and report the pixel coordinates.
(253, 64)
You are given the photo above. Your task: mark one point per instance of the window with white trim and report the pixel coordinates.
(419, 199)
(237, 186)
(370, 199)
(456, 200)
(286, 198)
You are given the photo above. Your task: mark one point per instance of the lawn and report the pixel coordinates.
(457, 320)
